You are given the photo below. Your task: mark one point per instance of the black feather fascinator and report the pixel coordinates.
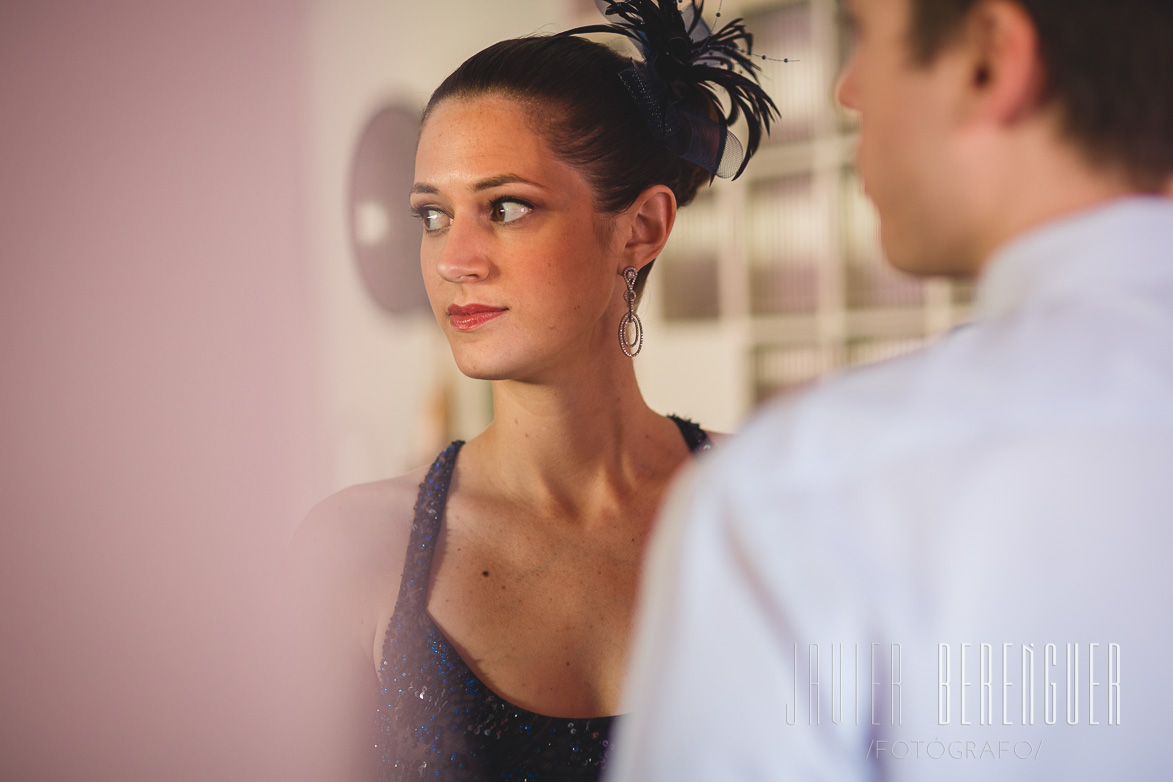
(683, 56)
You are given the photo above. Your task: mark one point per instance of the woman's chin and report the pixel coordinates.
(531, 361)
(485, 367)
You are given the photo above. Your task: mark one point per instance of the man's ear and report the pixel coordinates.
(1005, 70)
(647, 224)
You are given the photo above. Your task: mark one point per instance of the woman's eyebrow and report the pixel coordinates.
(484, 184)
(504, 179)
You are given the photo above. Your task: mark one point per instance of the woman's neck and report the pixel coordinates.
(588, 439)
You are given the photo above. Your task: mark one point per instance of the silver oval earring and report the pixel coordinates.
(628, 341)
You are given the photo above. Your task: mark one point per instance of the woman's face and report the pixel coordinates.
(519, 267)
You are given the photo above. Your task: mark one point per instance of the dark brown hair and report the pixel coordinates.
(580, 106)
(1109, 67)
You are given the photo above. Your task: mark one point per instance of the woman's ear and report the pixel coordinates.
(647, 224)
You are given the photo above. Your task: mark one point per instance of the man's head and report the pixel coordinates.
(981, 118)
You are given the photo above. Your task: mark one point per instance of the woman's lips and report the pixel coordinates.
(472, 316)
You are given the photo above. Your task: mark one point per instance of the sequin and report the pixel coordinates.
(460, 729)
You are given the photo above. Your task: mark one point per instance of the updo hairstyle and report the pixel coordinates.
(576, 101)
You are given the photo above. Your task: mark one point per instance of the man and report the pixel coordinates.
(954, 565)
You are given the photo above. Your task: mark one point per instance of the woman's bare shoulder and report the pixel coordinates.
(355, 540)
(365, 507)
(345, 563)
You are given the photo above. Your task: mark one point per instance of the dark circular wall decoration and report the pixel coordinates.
(384, 237)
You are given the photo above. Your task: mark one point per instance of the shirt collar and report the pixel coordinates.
(1126, 239)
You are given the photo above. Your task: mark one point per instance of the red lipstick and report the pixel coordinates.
(472, 316)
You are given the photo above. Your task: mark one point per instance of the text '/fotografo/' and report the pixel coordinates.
(936, 749)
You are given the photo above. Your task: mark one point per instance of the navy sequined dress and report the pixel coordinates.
(436, 719)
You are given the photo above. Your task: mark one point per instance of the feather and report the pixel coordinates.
(683, 52)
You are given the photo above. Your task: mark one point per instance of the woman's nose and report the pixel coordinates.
(464, 257)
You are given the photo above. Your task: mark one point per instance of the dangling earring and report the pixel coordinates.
(630, 318)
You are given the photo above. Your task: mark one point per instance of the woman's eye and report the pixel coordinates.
(506, 211)
(432, 218)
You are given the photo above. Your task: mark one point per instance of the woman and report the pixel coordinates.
(548, 174)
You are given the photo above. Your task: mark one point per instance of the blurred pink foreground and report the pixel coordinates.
(156, 432)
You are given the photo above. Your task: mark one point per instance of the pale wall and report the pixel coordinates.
(380, 371)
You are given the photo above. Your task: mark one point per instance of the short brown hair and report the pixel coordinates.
(1109, 66)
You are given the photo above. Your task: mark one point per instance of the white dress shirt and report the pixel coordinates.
(1009, 489)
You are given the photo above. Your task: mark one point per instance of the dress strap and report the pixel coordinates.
(425, 529)
(696, 438)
